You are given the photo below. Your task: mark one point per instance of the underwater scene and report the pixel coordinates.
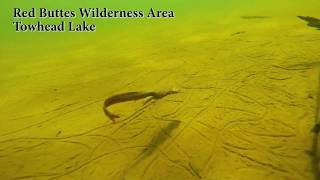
(224, 90)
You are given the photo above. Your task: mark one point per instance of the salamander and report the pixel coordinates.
(131, 96)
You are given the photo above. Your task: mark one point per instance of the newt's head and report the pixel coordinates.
(174, 91)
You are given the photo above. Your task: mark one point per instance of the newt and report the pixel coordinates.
(131, 96)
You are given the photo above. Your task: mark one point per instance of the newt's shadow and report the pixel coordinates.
(312, 21)
(157, 140)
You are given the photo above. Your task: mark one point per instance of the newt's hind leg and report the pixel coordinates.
(111, 116)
